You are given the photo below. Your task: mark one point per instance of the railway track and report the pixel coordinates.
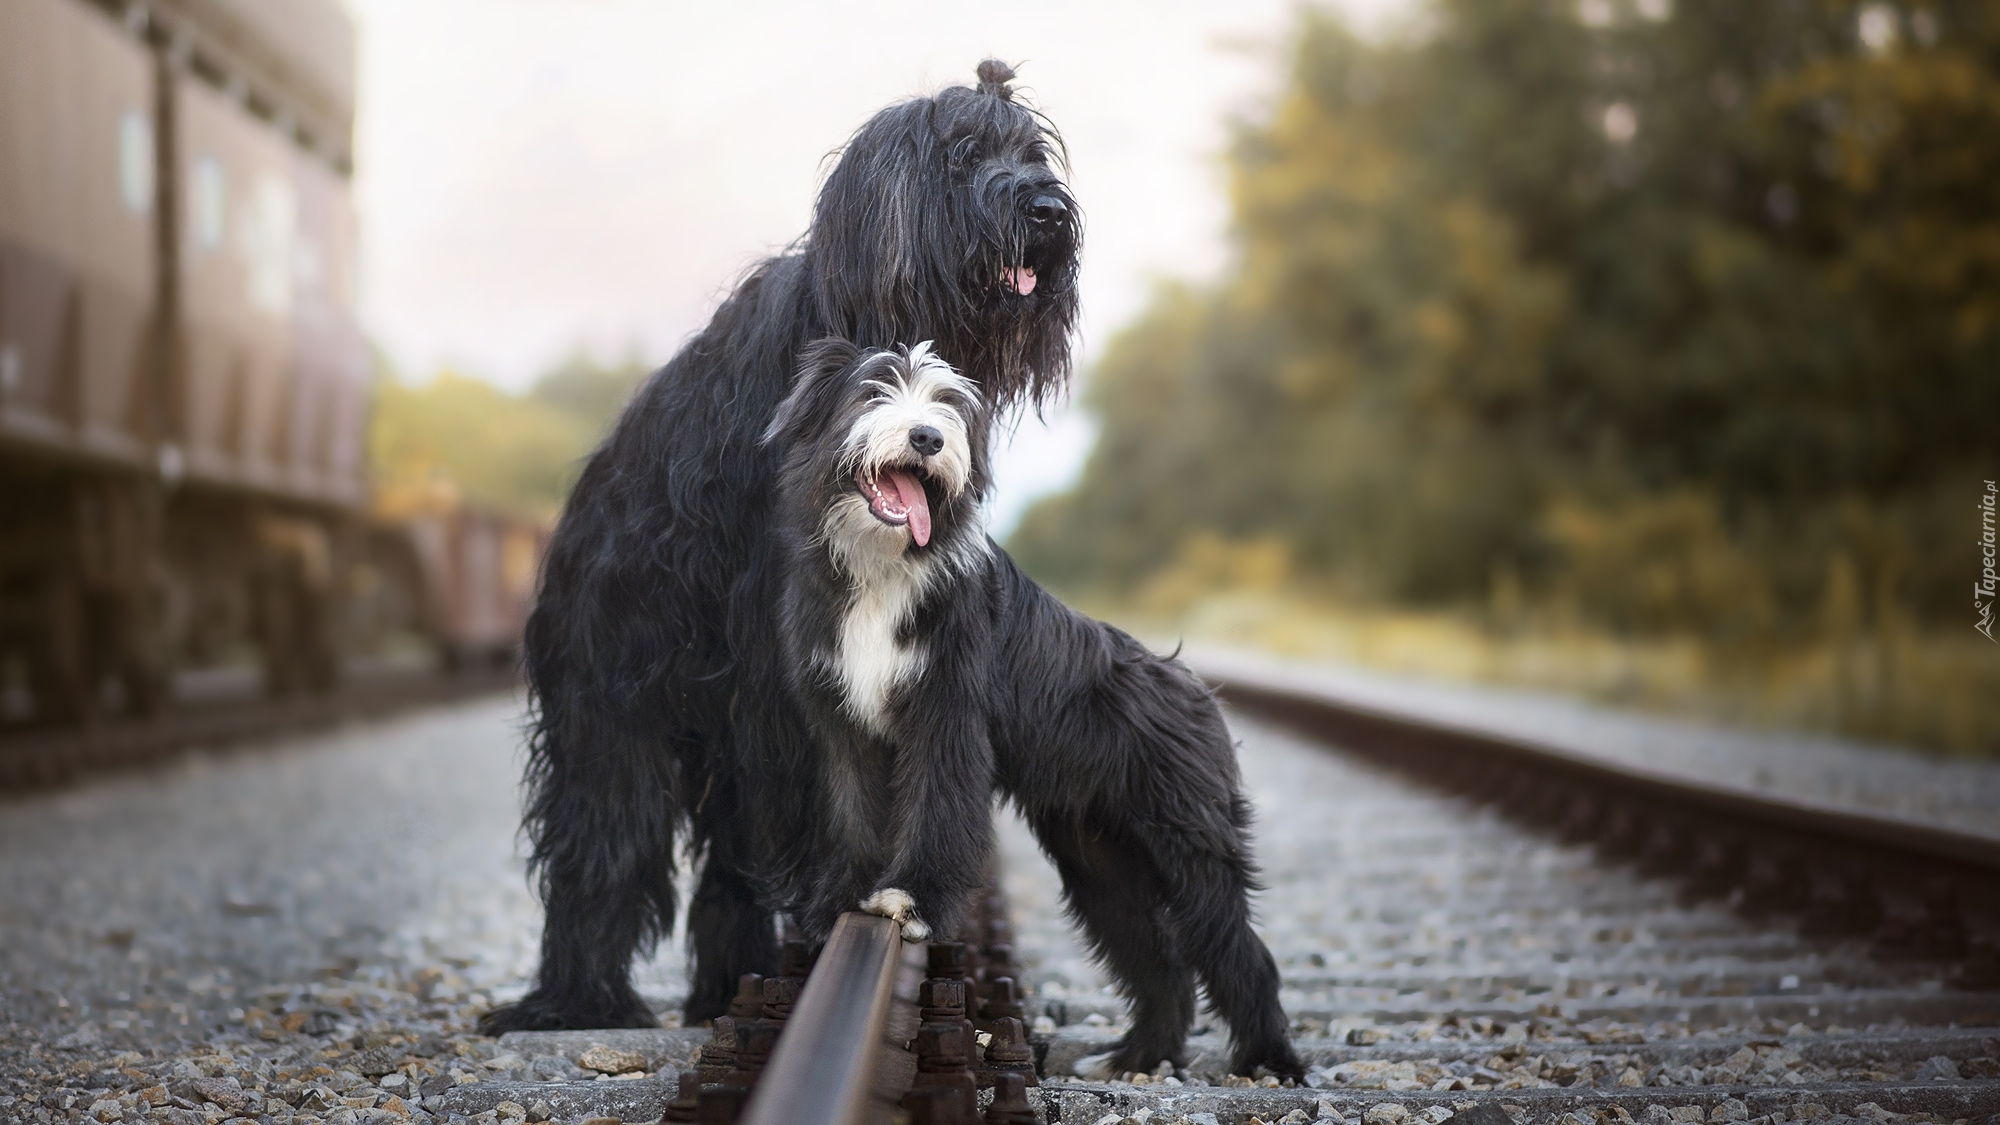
(1468, 924)
(35, 759)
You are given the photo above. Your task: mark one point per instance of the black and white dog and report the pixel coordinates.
(665, 713)
(931, 671)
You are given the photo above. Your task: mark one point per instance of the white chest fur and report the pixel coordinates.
(871, 662)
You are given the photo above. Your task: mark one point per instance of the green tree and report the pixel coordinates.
(590, 392)
(460, 437)
(1676, 311)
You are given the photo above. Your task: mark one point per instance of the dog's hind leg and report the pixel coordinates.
(1113, 891)
(602, 824)
(729, 933)
(1187, 819)
(1210, 918)
(1162, 898)
(1104, 736)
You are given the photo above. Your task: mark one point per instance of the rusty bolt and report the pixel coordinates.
(749, 1002)
(1981, 971)
(945, 1051)
(686, 1106)
(1664, 850)
(1842, 903)
(935, 1105)
(1944, 920)
(1938, 934)
(797, 959)
(1008, 1053)
(999, 961)
(942, 1047)
(1543, 804)
(1774, 883)
(958, 1085)
(721, 1105)
(754, 1041)
(718, 1055)
(1010, 1047)
(1718, 865)
(1896, 939)
(1579, 819)
(941, 998)
(780, 994)
(1522, 789)
(947, 958)
(1623, 833)
(1010, 1101)
(1001, 1003)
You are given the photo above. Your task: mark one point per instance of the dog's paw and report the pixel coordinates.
(1277, 1060)
(892, 903)
(897, 906)
(1095, 1068)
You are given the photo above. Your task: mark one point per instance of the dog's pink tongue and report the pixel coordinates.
(910, 491)
(1021, 279)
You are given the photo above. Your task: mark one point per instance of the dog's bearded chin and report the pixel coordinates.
(896, 497)
(1021, 279)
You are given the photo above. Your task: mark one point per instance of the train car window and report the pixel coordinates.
(135, 161)
(208, 204)
(268, 232)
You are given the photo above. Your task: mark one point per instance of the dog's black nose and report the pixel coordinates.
(1048, 209)
(926, 440)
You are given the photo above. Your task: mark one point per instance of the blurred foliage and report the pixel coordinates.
(1676, 317)
(458, 437)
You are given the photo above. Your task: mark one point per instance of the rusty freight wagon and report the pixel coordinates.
(183, 384)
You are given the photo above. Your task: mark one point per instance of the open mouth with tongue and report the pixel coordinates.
(1018, 279)
(897, 498)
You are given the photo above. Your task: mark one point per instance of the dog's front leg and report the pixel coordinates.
(943, 786)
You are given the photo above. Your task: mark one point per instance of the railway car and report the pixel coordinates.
(183, 381)
(476, 569)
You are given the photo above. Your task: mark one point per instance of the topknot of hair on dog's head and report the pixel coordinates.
(993, 78)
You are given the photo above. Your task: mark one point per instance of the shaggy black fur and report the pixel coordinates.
(1118, 758)
(663, 711)
(904, 802)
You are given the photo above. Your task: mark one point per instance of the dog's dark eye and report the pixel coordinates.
(964, 152)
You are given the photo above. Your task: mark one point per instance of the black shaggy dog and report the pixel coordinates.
(931, 671)
(664, 711)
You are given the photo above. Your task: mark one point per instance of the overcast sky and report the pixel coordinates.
(536, 176)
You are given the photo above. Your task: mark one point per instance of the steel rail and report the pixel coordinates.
(823, 1071)
(37, 759)
(1408, 740)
